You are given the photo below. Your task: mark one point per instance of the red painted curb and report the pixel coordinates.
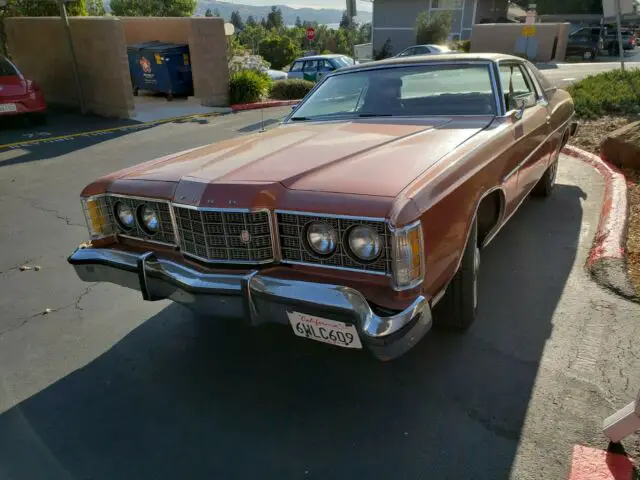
(610, 238)
(594, 464)
(239, 107)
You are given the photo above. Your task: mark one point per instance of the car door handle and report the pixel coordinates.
(548, 120)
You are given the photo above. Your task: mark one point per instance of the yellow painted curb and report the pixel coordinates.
(135, 126)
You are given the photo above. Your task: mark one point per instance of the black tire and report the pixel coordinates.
(458, 308)
(590, 55)
(170, 97)
(544, 187)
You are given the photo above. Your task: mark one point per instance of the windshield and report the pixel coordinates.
(343, 61)
(464, 89)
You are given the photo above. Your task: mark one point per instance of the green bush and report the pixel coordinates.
(433, 28)
(248, 86)
(290, 89)
(615, 92)
(384, 52)
(463, 46)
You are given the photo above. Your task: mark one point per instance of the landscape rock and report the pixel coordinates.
(622, 147)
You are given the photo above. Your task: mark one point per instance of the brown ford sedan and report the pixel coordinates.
(358, 222)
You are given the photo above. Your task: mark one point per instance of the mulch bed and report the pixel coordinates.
(590, 135)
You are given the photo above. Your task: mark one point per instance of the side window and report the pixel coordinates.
(311, 66)
(296, 67)
(408, 52)
(517, 86)
(325, 66)
(422, 51)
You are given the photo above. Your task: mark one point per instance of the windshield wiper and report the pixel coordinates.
(369, 115)
(299, 119)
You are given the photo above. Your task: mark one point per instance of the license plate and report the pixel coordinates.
(324, 330)
(8, 107)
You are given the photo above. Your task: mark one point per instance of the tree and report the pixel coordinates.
(279, 51)
(274, 19)
(208, 13)
(298, 22)
(252, 36)
(364, 33)
(95, 8)
(216, 13)
(263, 23)
(153, 8)
(29, 8)
(433, 28)
(236, 19)
(250, 22)
(345, 21)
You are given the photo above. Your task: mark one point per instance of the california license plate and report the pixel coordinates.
(324, 330)
(8, 107)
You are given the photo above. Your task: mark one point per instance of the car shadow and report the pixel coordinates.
(185, 397)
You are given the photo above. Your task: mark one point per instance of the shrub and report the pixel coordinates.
(290, 89)
(463, 46)
(248, 86)
(614, 92)
(384, 52)
(434, 28)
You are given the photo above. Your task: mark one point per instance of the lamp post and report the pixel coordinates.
(74, 62)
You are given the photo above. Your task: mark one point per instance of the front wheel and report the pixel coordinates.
(457, 309)
(545, 186)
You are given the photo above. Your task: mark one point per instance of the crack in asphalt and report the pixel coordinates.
(67, 220)
(75, 304)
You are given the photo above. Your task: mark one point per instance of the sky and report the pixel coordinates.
(339, 4)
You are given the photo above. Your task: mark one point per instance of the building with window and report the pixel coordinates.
(395, 19)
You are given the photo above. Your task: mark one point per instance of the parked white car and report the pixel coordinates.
(276, 75)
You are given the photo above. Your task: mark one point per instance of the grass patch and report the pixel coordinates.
(610, 93)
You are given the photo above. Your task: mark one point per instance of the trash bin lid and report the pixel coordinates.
(155, 46)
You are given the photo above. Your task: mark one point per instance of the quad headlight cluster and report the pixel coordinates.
(361, 242)
(146, 217)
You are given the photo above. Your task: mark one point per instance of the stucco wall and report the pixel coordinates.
(209, 65)
(163, 29)
(513, 39)
(40, 49)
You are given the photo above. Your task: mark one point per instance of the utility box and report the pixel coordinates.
(161, 68)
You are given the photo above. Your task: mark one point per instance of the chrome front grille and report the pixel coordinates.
(165, 233)
(225, 236)
(291, 232)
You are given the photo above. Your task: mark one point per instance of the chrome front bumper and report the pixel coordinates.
(255, 298)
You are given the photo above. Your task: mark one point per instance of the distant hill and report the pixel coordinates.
(289, 14)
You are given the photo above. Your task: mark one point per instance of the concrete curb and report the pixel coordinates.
(606, 262)
(240, 107)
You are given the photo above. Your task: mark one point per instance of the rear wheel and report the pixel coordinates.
(457, 309)
(589, 55)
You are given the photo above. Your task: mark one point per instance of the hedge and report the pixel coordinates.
(610, 93)
(248, 86)
(290, 89)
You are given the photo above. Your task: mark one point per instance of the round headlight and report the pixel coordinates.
(365, 243)
(321, 238)
(124, 214)
(148, 219)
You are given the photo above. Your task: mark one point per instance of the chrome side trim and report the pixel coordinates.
(542, 144)
(155, 242)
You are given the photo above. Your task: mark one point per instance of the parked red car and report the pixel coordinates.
(18, 95)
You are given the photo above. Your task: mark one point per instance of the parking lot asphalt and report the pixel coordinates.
(108, 386)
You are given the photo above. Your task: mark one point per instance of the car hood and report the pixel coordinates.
(363, 157)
